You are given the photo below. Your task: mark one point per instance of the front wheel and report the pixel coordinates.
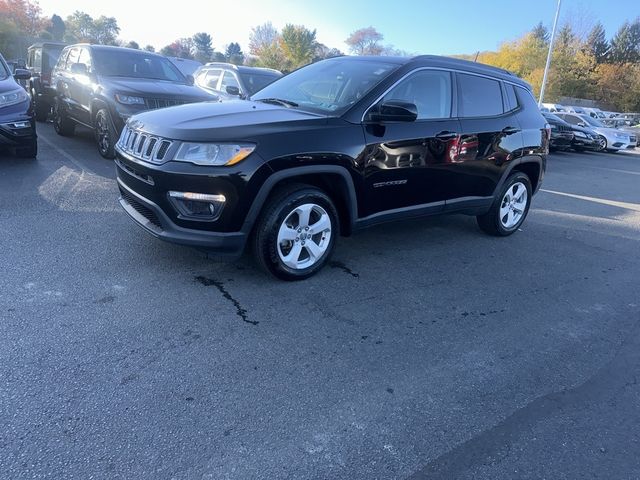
(602, 143)
(296, 233)
(42, 110)
(105, 134)
(62, 124)
(510, 207)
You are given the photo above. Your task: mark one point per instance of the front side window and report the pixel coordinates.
(228, 80)
(328, 87)
(479, 96)
(428, 90)
(209, 78)
(85, 57)
(74, 55)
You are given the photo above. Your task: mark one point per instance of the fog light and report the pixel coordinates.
(197, 206)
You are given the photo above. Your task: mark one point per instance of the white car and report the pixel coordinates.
(553, 107)
(611, 139)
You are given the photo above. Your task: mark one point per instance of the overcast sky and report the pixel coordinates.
(420, 26)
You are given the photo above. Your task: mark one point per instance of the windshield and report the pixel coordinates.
(591, 121)
(330, 86)
(257, 81)
(125, 63)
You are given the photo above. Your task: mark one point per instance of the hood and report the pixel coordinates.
(8, 85)
(146, 87)
(609, 131)
(219, 121)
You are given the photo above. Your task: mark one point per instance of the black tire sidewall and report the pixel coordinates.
(267, 232)
(110, 153)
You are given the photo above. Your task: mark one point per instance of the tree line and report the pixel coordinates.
(589, 66)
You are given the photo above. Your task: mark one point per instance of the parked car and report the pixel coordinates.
(17, 123)
(554, 107)
(186, 65)
(41, 58)
(232, 81)
(561, 137)
(101, 87)
(610, 139)
(582, 138)
(622, 123)
(331, 148)
(594, 112)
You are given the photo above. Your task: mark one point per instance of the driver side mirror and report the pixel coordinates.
(394, 111)
(79, 69)
(233, 90)
(21, 74)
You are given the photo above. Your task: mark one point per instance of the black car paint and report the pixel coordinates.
(19, 112)
(357, 162)
(82, 95)
(40, 83)
(564, 135)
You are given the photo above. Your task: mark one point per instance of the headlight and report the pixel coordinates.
(129, 99)
(213, 153)
(11, 98)
(580, 134)
(619, 135)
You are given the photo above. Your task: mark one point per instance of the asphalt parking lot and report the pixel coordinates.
(427, 350)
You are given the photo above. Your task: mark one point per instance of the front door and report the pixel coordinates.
(403, 160)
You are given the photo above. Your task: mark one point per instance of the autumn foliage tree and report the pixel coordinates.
(365, 41)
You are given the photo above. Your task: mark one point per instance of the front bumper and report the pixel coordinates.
(153, 219)
(12, 135)
(584, 142)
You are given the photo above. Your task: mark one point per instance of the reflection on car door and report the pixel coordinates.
(490, 134)
(84, 88)
(403, 160)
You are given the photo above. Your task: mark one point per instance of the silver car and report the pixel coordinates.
(611, 139)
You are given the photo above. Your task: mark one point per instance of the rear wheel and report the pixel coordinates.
(510, 207)
(296, 233)
(62, 124)
(105, 133)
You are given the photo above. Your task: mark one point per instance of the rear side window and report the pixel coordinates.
(479, 96)
(512, 100)
(211, 79)
(429, 90)
(229, 80)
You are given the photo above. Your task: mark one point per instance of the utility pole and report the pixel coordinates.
(546, 67)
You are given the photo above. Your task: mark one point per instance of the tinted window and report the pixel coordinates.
(85, 57)
(74, 54)
(62, 61)
(4, 71)
(228, 80)
(479, 96)
(330, 85)
(257, 81)
(429, 90)
(134, 64)
(37, 59)
(511, 96)
(51, 54)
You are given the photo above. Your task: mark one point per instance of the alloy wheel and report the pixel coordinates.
(602, 143)
(304, 236)
(103, 133)
(513, 205)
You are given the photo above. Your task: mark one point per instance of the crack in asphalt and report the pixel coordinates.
(344, 268)
(240, 311)
(492, 446)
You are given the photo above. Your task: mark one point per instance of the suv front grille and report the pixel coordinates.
(153, 103)
(143, 146)
(140, 208)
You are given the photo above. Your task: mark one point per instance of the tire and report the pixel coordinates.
(42, 110)
(106, 136)
(507, 213)
(30, 151)
(602, 146)
(282, 238)
(62, 124)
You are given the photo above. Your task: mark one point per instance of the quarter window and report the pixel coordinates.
(429, 90)
(479, 96)
(511, 97)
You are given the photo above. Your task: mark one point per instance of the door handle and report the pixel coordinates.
(510, 130)
(446, 135)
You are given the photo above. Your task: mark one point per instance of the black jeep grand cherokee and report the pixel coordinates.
(336, 146)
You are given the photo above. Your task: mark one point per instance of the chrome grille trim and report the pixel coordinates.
(141, 145)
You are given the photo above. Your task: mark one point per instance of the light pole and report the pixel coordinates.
(546, 67)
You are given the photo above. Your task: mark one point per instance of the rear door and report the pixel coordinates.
(490, 134)
(404, 160)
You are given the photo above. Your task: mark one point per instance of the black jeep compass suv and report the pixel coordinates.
(331, 148)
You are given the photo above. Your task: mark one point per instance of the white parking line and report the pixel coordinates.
(66, 155)
(603, 201)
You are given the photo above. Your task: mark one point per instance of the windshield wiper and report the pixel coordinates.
(278, 101)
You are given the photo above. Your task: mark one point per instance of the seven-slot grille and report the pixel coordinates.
(153, 103)
(143, 146)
